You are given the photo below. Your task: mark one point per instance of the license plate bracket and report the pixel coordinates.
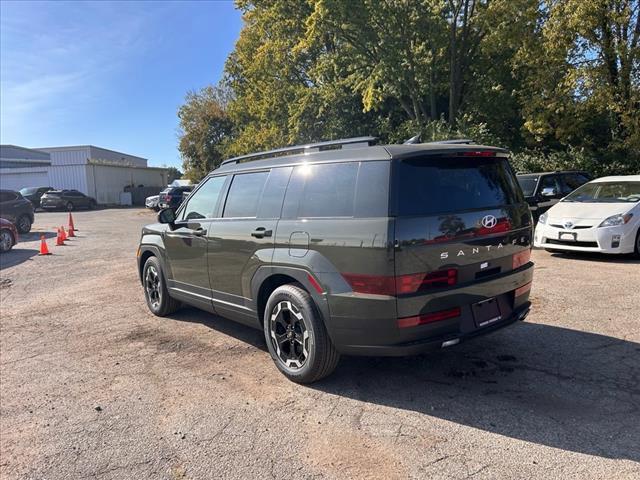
(486, 312)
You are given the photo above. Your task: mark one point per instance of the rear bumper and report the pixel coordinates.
(364, 325)
(434, 343)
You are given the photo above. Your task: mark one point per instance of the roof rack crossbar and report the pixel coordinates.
(308, 148)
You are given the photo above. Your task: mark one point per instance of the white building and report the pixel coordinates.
(100, 173)
(23, 167)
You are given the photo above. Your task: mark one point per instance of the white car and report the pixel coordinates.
(600, 216)
(152, 202)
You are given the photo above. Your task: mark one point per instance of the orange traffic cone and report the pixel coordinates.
(44, 250)
(71, 233)
(59, 239)
(72, 227)
(63, 234)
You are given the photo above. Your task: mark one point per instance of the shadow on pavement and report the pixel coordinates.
(553, 386)
(16, 256)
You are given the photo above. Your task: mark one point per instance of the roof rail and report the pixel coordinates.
(354, 142)
(458, 141)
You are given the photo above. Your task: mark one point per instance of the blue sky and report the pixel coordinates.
(111, 74)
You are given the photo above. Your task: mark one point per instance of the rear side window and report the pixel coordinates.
(7, 196)
(354, 189)
(244, 195)
(431, 186)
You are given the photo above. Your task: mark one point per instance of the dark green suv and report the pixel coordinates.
(348, 247)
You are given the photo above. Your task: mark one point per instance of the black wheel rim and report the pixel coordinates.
(152, 287)
(5, 241)
(289, 335)
(69, 206)
(24, 224)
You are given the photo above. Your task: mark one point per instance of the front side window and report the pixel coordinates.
(528, 185)
(7, 196)
(244, 195)
(202, 203)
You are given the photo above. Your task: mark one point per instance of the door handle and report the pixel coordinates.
(200, 232)
(261, 232)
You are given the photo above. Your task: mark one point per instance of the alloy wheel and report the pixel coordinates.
(289, 334)
(5, 241)
(152, 287)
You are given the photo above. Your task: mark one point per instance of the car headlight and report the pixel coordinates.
(615, 220)
(542, 218)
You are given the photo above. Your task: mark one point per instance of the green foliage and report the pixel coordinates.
(205, 129)
(557, 81)
(173, 174)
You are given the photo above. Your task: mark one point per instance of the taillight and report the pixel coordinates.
(523, 289)
(521, 258)
(429, 318)
(167, 198)
(401, 284)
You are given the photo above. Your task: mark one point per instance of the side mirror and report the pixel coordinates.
(549, 192)
(167, 215)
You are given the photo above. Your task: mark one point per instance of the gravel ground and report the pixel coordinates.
(94, 386)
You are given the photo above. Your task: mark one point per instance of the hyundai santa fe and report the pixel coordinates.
(348, 248)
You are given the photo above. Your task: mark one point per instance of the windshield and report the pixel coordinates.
(28, 191)
(528, 185)
(606, 192)
(430, 186)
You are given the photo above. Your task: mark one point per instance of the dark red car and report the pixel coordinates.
(8, 235)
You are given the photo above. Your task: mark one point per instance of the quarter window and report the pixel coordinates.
(244, 195)
(329, 189)
(203, 202)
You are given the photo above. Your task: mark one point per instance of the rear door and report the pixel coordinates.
(459, 220)
(242, 240)
(186, 244)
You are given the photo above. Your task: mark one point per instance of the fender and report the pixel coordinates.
(154, 244)
(301, 275)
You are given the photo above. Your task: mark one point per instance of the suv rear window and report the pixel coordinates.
(431, 186)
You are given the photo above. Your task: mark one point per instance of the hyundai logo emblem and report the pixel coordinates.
(489, 221)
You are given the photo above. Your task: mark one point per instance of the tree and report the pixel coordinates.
(205, 130)
(173, 174)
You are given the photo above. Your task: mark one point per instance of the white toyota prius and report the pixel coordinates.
(600, 216)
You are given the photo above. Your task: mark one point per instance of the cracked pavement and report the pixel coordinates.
(94, 386)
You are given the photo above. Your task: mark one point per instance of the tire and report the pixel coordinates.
(92, 205)
(637, 249)
(23, 224)
(6, 240)
(552, 250)
(155, 289)
(69, 207)
(292, 321)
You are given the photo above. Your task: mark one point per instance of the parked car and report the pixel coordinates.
(543, 190)
(33, 194)
(66, 200)
(8, 235)
(172, 197)
(601, 216)
(363, 250)
(17, 209)
(152, 202)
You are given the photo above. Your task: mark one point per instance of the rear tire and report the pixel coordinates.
(23, 224)
(6, 240)
(156, 294)
(296, 336)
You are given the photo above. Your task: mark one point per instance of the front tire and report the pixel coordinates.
(296, 336)
(155, 289)
(69, 207)
(24, 224)
(6, 240)
(637, 249)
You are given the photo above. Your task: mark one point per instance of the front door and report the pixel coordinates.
(186, 244)
(242, 240)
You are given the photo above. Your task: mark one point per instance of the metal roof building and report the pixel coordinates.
(98, 172)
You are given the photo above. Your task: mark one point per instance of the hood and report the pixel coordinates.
(588, 211)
